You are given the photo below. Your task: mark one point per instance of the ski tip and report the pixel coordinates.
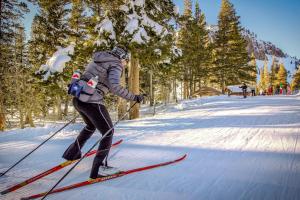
(183, 157)
(24, 198)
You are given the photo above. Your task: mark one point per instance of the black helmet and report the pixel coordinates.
(120, 52)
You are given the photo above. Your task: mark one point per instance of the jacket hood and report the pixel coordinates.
(104, 56)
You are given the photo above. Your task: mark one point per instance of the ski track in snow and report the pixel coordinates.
(237, 149)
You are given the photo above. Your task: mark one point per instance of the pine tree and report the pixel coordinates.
(273, 74)
(266, 77)
(194, 42)
(262, 84)
(188, 8)
(52, 32)
(253, 66)
(231, 59)
(200, 48)
(281, 77)
(10, 22)
(139, 26)
(296, 80)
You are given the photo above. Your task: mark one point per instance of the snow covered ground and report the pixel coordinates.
(237, 149)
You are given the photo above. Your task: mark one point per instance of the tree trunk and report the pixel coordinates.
(22, 124)
(168, 93)
(223, 85)
(151, 88)
(134, 86)
(122, 103)
(191, 84)
(66, 108)
(182, 90)
(186, 89)
(28, 118)
(59, 110)
(2, 117)
(194, 85)
(200, 87)
(175, 91)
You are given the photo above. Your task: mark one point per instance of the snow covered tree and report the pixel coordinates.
(140, 26)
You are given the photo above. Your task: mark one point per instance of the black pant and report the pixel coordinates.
(95, 116)
(244, 93)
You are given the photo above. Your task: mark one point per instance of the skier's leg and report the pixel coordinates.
(73, 152)
(103, 124)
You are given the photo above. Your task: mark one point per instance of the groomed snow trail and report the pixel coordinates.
(237, 149)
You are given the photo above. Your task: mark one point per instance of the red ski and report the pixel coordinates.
(50, 171)
(102, 179)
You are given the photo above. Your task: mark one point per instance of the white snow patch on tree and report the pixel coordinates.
(139, 3)
(157, 51)
(141, 36)
(176, 10)
(133, 24)
(106, 26)
(57, 62)
(176, 51)
(124, 8)
(158, 29)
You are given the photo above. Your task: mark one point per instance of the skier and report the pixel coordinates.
(252, 91)
(244, 88)
(107, 67)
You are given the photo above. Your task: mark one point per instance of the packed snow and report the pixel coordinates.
(237, 149)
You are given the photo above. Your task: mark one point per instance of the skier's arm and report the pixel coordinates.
(114, 75)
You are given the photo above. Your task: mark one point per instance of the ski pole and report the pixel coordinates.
(107, 132)
(38, 146)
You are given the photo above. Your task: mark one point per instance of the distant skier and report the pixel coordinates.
(252, 91)
(244, 88)
(104, 72)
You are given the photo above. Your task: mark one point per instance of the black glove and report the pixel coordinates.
(139, 98)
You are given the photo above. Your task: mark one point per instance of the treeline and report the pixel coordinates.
(276, 77)
(171, 54)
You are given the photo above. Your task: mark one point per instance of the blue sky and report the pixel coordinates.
(277, 21)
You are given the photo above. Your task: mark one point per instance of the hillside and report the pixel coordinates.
(264, 51)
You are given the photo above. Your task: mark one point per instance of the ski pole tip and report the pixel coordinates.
(4, 192)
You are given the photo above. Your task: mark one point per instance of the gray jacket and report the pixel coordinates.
(109, 69)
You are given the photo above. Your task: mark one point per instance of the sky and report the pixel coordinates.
(276, 21)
